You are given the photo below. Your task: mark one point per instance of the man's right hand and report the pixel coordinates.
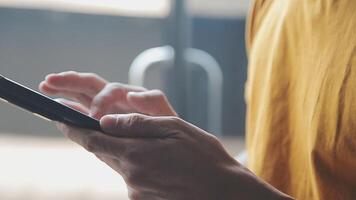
(98, 97)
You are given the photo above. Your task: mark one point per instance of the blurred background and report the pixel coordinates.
(193, 50)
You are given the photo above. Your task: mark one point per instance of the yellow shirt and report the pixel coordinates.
(301, 96)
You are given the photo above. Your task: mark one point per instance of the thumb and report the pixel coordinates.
(133, 126)
(152, 102)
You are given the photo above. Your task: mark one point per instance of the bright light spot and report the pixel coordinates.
(146, 8)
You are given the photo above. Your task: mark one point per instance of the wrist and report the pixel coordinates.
(241, 183)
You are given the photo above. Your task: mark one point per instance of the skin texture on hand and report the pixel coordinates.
(168, 158)
(159, 155)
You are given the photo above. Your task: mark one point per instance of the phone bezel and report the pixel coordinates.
(44, 106)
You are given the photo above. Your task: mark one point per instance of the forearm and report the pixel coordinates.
(243, 184)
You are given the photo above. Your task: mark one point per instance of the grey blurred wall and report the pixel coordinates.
(224, 39)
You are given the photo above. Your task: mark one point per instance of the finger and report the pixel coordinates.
(82, 98)
(95, 142)
(152, 102)
(113, 93)
(87, 83)
(138, 126)
(45, 88)
(74, 105)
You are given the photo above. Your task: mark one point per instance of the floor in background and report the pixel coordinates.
(55, 168)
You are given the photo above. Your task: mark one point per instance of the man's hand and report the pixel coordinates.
(159, 157)
(168, 158)
(98, 97)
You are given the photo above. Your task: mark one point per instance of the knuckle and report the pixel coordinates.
(134, 120)
(115, 86)
(175, 124)
(146, 99)
(159, 92)
(90, 76)
(139, 88)
(176, 121)
(116, 89)
(71, 73)
(160, 95)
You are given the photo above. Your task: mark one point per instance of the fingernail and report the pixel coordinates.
(108, 122)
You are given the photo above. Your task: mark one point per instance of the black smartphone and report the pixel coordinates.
(43, 106)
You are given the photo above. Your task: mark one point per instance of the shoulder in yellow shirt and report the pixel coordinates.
(301, 96)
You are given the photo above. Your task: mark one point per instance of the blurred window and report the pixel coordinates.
(143, 8)
(218, 8)
(140, 8)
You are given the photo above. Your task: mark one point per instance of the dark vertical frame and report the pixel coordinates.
(179, 35)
